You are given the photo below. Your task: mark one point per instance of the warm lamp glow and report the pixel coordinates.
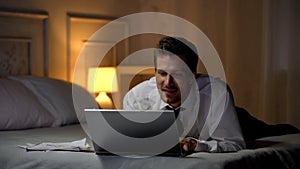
(102, 80)
(104, 101)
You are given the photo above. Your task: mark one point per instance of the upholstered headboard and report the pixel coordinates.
(23, 41)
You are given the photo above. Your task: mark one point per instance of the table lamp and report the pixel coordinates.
(103, 80)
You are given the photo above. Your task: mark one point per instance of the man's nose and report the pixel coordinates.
(169, 80)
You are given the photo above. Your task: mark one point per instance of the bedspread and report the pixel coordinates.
(271, 152)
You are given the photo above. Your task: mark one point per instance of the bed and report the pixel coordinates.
(39, 109)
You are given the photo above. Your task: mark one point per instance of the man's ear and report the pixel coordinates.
(195, 76)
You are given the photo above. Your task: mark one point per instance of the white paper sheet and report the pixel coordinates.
(78, 145)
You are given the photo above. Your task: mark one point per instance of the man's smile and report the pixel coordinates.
(171, 91)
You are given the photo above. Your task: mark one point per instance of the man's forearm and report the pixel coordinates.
(214, 146)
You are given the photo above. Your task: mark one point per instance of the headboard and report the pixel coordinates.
(23, 43)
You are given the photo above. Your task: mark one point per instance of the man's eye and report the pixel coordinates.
(178, 75)
(162, 73)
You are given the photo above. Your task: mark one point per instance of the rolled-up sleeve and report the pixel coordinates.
(221, 131)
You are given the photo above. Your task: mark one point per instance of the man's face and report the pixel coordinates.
(173, 79)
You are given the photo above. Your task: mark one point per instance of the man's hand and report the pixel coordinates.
(188, 145)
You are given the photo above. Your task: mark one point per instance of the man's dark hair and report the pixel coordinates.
(180, 47)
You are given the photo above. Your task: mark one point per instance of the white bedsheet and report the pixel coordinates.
(281, 152)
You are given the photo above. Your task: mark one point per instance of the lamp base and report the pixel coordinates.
(104, 101)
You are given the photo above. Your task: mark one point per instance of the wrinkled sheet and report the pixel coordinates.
(272, 152)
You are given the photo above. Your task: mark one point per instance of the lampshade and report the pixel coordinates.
(102, 79)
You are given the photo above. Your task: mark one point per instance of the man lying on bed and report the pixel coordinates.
(207, 112)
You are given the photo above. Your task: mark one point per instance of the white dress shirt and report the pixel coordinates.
(214, 126)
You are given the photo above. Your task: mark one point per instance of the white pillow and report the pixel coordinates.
(56, 96)
(20, 108)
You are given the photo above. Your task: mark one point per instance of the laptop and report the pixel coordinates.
(133, 132)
